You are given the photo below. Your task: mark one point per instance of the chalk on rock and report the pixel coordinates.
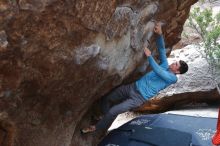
(84, 53)
(3, 39)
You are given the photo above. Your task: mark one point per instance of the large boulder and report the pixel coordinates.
(57, 57)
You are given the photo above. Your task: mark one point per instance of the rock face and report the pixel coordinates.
(58, 56)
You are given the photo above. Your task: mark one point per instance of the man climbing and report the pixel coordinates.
(129, 97)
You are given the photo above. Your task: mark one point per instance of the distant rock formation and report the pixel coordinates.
(58, 56)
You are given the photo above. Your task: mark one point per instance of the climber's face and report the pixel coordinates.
(174, 67)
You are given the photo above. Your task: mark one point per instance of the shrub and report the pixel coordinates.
(206, 25)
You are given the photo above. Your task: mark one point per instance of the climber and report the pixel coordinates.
(131, 96)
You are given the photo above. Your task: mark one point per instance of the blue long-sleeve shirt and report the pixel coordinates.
(160, 77)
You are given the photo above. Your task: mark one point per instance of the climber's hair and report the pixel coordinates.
(183, 67)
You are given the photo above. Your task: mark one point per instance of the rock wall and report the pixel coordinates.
(58, 56)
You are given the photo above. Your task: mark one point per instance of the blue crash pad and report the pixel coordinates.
(163, 130)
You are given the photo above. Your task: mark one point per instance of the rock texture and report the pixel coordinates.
(58, 56)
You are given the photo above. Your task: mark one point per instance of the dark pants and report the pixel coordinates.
(123, 99)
